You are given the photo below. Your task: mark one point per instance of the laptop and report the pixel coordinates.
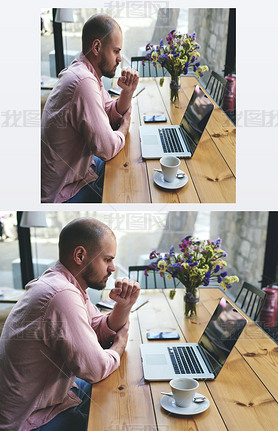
(203, 360)
(182, 140)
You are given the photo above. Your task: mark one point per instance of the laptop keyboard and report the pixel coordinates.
(184, 360)
(170, 141)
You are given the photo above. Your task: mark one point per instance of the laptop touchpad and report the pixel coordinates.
(150, 139)
(156, 359)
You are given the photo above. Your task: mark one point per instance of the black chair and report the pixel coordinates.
(216, 87)
(148, 69)
(251, 300)
(153, 280)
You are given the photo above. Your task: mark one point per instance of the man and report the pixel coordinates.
(81, 125)
(55, 334)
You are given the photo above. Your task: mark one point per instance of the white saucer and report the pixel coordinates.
(168, 403)
(176, 184)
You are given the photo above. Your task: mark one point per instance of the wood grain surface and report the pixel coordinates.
(242, 397)
(211, 171)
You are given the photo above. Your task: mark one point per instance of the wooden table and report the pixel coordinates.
(243, 397)
(211, 171)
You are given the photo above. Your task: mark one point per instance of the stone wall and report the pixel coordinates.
(243, 237)
(211, 26)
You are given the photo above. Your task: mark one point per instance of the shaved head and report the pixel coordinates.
(86, 232)
(100, 27)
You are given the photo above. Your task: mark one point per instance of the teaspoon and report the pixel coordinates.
(179, 175)
(195, 399)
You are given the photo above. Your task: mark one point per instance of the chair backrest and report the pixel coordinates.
(216, 87)
(148, 69)
(152, 281)
(251, 300)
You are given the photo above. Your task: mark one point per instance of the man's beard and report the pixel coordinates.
(103, 68)
(97, 285)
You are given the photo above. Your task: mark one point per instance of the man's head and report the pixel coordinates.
(87, 248)
(102, 44)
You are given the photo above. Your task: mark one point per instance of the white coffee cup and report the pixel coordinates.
(169, 166)
(184, 390)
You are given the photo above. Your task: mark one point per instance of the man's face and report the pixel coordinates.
(99, 265)
(110, 54)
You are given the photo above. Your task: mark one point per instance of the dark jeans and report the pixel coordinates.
(75, 418)
(92, 192)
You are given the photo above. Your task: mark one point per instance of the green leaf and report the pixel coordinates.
(161, 82)
(172, 294)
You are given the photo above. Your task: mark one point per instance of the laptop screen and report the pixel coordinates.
(196, 117)
(221, 334)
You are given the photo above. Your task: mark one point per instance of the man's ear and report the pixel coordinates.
(96, 46)
(79, 254)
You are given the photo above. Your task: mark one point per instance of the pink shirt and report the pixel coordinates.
(52, 335)
(77, 123)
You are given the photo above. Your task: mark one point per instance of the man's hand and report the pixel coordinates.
(125, 292)
(128, 81)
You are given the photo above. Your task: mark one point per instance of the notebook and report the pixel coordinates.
(181, 141)
(203, 360)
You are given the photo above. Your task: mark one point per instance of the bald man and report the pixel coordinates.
(55, 343)
(81, 125)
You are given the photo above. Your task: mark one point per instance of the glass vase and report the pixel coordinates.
(174, 88)
(191, 299)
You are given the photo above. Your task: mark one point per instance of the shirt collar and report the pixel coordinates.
(83, 59)
(59, 267)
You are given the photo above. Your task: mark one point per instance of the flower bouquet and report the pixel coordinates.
(196, 265)
(177, 57)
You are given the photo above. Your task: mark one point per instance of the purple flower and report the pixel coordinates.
(207, 278)
(153, 254)
(174, 273)
(172, 250)
(217, 242)
(185, 69)
(217, 268)
(193, 59)
(224, 274)
(174, 265)
(169, 38)
(161, 43)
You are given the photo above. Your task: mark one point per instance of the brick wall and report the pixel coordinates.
(211, 26)
(243, 237)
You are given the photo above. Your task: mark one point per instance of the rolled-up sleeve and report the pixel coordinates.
(67, 330)
(94, 116)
